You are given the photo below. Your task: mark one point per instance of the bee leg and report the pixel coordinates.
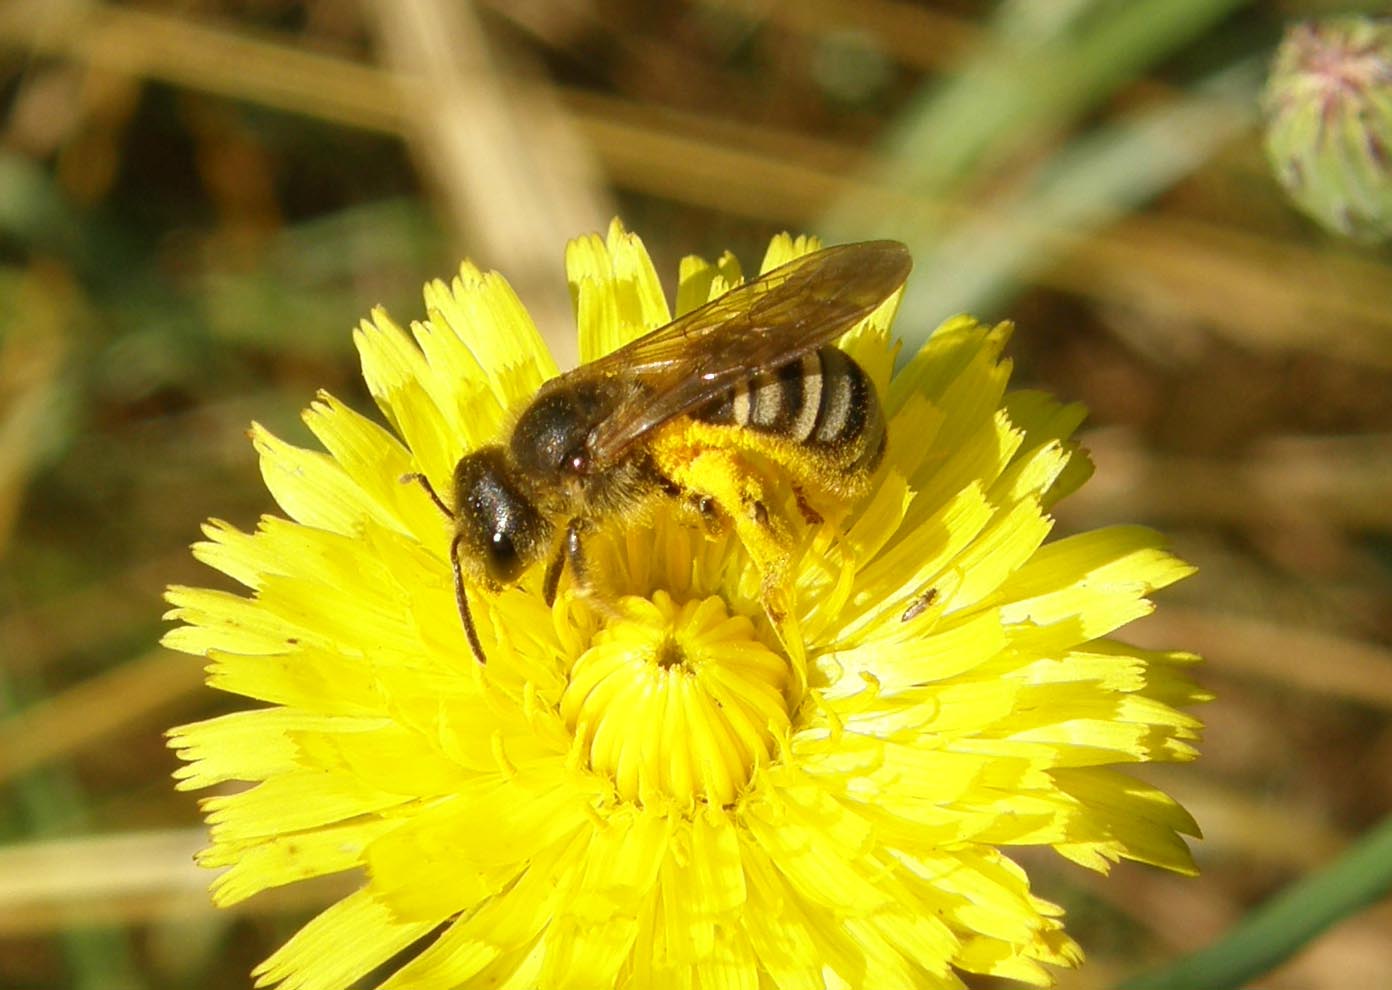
(693, 508)
(582, 577)
(461, 599)
(573, 550)
(552, 580)
(813, 517)
(725, 486)
(710, 515)
(406, 479)
(765, 536)
(701, 512)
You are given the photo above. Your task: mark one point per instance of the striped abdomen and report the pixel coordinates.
(823, 401)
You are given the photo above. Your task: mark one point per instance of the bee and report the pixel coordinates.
(696, 411)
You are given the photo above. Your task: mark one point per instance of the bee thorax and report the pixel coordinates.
(550, 441)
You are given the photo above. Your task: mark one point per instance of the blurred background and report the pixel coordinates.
(200, 198)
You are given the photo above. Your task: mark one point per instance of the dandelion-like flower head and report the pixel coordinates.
(668, 790)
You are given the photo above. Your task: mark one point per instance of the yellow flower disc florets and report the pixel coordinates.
(677, 703)
(653, 782)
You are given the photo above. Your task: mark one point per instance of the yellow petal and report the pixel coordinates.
(281, 859)
(343, 943)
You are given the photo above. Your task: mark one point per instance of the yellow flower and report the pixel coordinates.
(677, 797)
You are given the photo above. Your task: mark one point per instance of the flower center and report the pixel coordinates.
(677, 702)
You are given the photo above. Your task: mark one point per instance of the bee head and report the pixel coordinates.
(501, 532)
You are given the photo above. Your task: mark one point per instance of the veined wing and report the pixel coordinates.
(762, 324)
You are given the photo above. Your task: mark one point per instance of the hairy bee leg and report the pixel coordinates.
(725, 483)
(461, 599)
(694, 508)
(582, 577)
(573, 548)
(552, 581)
(406, 479)
(811, 515)
(709, 514)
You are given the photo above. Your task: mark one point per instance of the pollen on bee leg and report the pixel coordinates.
(777, 604)
(708, 513)
(809, 514)
(728, 483)
(697, 511)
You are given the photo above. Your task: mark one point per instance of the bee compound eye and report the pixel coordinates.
(502, 556)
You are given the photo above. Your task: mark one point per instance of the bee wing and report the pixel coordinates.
(765, 323)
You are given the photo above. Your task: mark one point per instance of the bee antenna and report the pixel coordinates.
(462, 600)
(406, 479)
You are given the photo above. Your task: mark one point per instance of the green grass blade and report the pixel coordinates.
(1283, 925)
(978, 265)
(1021, 85)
